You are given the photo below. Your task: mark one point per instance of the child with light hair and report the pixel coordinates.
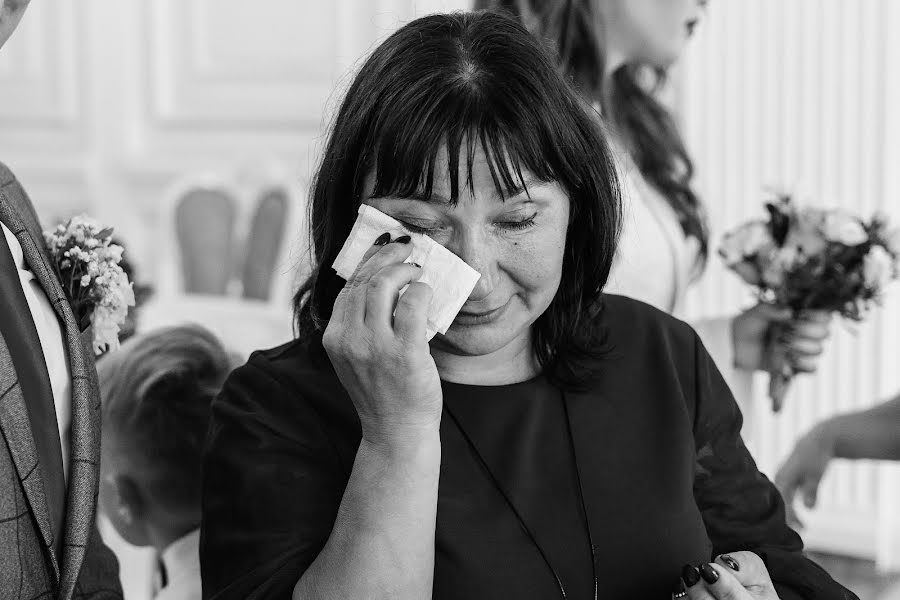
(156, 393)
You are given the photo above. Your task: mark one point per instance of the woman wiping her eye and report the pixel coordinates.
(556, 442)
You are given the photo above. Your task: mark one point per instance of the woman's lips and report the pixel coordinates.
(481, 317)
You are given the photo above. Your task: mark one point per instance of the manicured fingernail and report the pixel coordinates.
(730, 562)
(403, 239)
(680, 591)
(690, 575)
(708, 574)
(383, 239)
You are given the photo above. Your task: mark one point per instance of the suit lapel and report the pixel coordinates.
(16, 429)
(85, 428)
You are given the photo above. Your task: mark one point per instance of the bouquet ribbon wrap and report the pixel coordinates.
(451, 279)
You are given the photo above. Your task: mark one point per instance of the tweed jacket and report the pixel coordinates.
(29, 566)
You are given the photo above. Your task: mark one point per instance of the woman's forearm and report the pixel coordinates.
(382, 543)
(869, 434)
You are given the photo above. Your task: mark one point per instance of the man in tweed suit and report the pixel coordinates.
(49, 417)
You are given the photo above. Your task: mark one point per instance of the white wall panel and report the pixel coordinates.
(794, 93)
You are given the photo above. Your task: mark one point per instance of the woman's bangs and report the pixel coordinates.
(406, 151)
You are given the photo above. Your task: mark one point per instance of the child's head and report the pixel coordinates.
(156, 393)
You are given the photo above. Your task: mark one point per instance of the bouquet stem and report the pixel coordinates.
(779, 384)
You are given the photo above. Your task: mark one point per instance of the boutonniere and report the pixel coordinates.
(87, 264)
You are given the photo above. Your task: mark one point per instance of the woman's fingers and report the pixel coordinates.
(382, 291)
(691, 585)
(810, 491)
(379, 256)
(772, 313)
(822, 317)
(411, 315)
(811, 330)
(383, 252)
(733, 576)
(747, 567)
(788, 480)
(804, 347)
(721, 584)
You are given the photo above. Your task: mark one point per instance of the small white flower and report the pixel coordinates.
(745, 242)
(892, 239)
(843, 228)
(806, 235)
(104, 285)
(878, 268)
(776, 265)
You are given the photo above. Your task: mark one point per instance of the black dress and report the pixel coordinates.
(648, 465)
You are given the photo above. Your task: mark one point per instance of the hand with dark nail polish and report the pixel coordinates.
(383, 239)
(730, 562)
(708, 574)
(690, 575)
(403, 239)
(680, 591)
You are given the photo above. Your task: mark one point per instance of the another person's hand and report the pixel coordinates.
(803, 471)
(767, 337)
(377, 344)
(734, 576)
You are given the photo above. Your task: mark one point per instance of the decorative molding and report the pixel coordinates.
(193, 87)
(41, 77)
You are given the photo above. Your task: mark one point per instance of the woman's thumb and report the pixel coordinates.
(775, 314)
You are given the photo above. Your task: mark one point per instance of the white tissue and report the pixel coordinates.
(448, 275)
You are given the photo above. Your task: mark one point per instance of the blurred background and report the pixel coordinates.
(157, 116)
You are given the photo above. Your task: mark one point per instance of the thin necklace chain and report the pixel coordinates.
(515, 511)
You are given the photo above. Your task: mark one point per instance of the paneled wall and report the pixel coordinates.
(104, 104)
(804, 94)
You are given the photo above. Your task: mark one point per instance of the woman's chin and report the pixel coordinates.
(478, 340)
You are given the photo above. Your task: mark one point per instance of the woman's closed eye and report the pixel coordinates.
(507, 223)
(517, 224)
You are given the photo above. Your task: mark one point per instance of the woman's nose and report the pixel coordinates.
(483, 288)
(476, 252)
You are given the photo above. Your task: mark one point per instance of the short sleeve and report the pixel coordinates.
(741, 508)
(271, 488)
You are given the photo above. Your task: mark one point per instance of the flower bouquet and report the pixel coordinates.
(88, 266)
(808, 258)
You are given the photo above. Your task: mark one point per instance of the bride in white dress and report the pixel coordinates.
(615, 52)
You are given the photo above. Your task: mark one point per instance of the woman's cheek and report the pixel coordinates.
(535, 260)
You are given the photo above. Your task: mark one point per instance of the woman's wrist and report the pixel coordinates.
(827, 436)
(404, 443)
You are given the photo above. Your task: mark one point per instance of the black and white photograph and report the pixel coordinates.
(450, 300)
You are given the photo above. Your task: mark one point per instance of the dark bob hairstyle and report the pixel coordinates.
(457, 82)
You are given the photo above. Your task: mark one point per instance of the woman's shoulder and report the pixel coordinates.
(638, 330)
(287, 378)
(293, 365)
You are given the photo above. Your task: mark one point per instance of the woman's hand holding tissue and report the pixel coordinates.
(379, 349)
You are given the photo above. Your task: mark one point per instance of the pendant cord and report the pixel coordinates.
(515, 511)
(522, 524)
(587, 525)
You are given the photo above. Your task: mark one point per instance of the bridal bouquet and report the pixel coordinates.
(88, 266)
(808, 258)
